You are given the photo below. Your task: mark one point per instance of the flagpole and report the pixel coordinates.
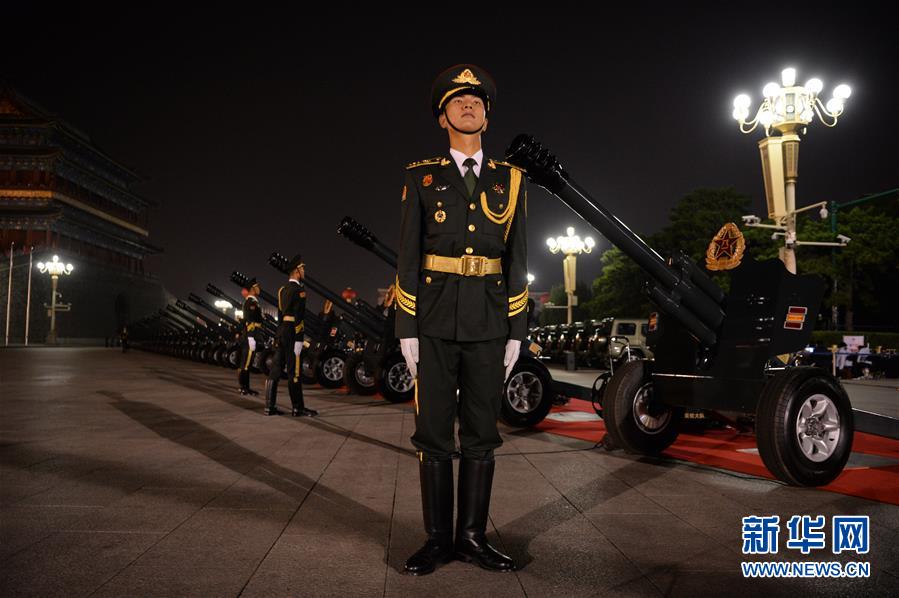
(9, 291)
(28, 301)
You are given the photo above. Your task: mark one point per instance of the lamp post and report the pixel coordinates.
(571, 245)
(784, 113)
(55, 269)
(223, 305)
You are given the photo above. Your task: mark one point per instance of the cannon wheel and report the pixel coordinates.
(307, 368)
(233, 356)
(395, 383)
(331, 366)
(218, 355)
(804, 427)
(261, 360)
(636, 422)
(359, 377)
(527, 395)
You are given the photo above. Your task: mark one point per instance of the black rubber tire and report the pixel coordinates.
(775, 426)
(258, 361)
(394, 365)
(328, 373)
(266, 360)
(307, 369)
(233, 356)
(618, 407)
(523, 412)
(358, 377)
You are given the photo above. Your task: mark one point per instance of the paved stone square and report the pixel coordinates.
(145, 475)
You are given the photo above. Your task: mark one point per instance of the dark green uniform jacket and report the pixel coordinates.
(440, 218)
(252, 317)
(292, 303)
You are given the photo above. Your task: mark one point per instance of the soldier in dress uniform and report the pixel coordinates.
(251, 334)
(289, 343)
(461, 290)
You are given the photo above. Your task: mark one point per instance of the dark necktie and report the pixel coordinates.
(471, 179)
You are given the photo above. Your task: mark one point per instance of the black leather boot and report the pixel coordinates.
(296, 400)
(475, 483)
(437, 507)
(271, 398)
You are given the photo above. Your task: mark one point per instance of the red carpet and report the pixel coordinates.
(721, 448)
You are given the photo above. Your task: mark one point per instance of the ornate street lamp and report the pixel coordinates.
(785, 112)
(55, 269)
(571, 245)
(223, 305)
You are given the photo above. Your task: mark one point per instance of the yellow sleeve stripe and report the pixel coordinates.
(401, 292)
(404, 299)
(519, 297)
(279, 299)
(518, 304)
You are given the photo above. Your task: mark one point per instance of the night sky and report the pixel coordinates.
(259, 132)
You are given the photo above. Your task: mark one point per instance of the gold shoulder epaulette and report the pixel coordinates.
(495, 163)
(438, 160)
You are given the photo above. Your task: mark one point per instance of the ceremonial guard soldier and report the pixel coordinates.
(251, 333)
(461, 290)
(289, 343)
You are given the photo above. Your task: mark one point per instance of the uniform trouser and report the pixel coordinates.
(245, 360)
(476, 370)
(285, 359)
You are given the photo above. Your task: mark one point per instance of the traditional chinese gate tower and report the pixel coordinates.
(62, 195)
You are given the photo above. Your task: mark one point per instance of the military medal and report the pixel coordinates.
(499, 188)
(439, 216)
(427, 180)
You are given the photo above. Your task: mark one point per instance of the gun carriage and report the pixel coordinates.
(714, 351)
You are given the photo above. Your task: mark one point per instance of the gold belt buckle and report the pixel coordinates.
(473, 265)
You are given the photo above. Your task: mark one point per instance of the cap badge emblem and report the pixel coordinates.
(468, 77)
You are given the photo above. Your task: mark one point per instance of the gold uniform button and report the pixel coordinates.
(439, 204)
(469, 250)
(471, 227)
(471, 206)
(500, 206)
(499, 283)
(428, 279)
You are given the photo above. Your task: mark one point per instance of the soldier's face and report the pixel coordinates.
(300, 272)
(466, 112)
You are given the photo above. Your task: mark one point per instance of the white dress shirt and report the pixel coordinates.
(459, 158)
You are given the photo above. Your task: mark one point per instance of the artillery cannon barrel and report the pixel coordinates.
(211, 309)
(186, 315)
(543, 169)
(354, 316)
(175, 321)
(213, 326)
(361, 236)
(165, 324)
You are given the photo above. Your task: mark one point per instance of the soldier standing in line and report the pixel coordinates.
(462, 295)
(289, 343)
(251, 334)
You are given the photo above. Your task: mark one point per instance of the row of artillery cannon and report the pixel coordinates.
(356, 349)
(711, 351)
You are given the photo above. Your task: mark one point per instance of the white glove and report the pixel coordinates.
(409, 348)
(513, 348)
(298, 348)
(252, 342)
